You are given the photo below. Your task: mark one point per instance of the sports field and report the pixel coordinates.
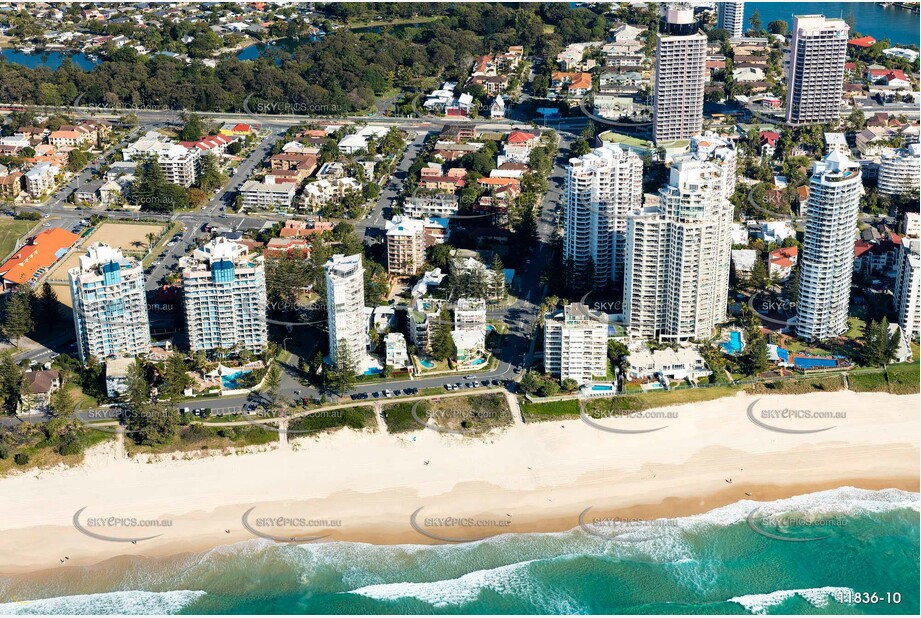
(130, 237)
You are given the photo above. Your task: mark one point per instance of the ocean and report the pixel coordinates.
(881, 22)
(713, 563)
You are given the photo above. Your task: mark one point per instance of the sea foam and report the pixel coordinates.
(817, 597)
(134, 602)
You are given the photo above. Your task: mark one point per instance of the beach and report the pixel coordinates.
(365, 487)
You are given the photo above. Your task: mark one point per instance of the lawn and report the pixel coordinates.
(551, 411)
(200, 437)
(11, 230)
(656, 399)
(359, 417)
(798, 386)
(466, 415)
(904, 379)
(868, 382)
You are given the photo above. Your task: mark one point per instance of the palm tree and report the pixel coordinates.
(151, 238)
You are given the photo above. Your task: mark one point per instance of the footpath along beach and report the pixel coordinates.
(533, 478)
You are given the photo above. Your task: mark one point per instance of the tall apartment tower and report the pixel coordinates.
(223, 287)
(681, 58)
(900, 170)
(109, 304)
(827, 257)
(907, 290)
(816, 76)
(345, 305)
(731, 17)
(601, 189)
(677, 267)
(405, 245)
(575, 345)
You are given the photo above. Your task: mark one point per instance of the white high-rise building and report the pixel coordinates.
(223, 286)
(345, 304)
(678, 255)
(827, 256)
(720, 151)
(109, 304)
(601, 189)
(816, 76)
(907, 290)
(731, 17)
(575, 345)
(681, 59)
(900, 170)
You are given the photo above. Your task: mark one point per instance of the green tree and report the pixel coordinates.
(17, 317)
(271, 384)
(756, 356)
(152, 424)
(778, 26)
(497, 278)
(569, 385)
(137, 392)
(341, 376)
(442, 341)
(755, 21)
(48, 305)
(11, 382)
(175, 379)
(62, 402)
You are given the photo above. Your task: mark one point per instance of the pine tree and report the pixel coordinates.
(175, 378)
(62, 402)
(272, 381)
(442, 341)
(498, 278)
(138, 388)
(341, 376)
(48, 304)
(17, 319)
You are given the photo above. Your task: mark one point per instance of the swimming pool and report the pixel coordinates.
(426, 363)
(813, 363)
(478, 362)
(490, 328)
(231, 381)
(373, 371)
(734, 345)
(603, 388)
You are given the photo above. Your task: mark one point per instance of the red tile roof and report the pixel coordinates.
(41, 252)
(864, 41)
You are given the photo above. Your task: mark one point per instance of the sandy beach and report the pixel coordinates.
(537, 477)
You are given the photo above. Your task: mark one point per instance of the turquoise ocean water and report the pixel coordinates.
(711, 563)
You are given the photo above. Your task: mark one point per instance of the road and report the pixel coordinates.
(517, 346)
(372, 226)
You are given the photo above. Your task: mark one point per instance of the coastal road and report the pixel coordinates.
(372, 226)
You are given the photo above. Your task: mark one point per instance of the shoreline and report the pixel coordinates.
(363, 487)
